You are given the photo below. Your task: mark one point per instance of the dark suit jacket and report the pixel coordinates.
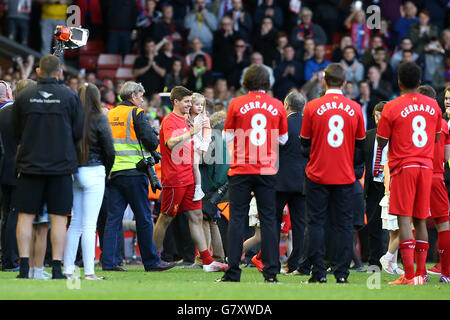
(292, 164)
(369, 184)
(370, 106)
(10, 142)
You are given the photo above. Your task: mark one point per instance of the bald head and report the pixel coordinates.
(5, 91)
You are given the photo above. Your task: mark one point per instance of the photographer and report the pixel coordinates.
(201, 24)
(127, 185)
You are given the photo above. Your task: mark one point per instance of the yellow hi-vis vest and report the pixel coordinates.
(126, 144)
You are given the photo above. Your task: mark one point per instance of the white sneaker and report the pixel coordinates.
(387, 265)
(198, 195)
(39, 274)
(215, 267)
(397, 270)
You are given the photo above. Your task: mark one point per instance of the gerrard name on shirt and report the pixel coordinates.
(414, 107)
(256, 105)
(333, 105)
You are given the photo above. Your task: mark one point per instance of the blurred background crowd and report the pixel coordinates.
(206, 45)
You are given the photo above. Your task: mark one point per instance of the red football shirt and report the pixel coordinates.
(333, 123)
(176, 164)
(439, 149)
(256, 121)
(410, 122)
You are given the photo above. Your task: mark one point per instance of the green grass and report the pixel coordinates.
(194, 284)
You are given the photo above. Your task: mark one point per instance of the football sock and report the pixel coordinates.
(407, 250)
(389, 256)
(56, 270)
(258, 256)
(420, 256)
(206, 257)
(24, 268)
(443, 245)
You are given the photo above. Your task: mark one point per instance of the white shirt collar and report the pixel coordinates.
(335, 91)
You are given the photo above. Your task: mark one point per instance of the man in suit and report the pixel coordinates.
(290, 178)
(374, 190)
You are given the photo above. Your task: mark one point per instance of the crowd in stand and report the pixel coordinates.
(207, 46)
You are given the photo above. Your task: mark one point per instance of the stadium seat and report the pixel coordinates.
(124, 74)
(109, 61)
(102, 73)
(328, 52)
(128, 60)
(88, 62)
(72, 54)
(93, 47)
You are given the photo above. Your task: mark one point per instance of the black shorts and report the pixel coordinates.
(33, 191)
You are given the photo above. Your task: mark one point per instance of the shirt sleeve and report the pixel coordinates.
(230, 124)
(361, 129)
(306, 123)
(439, 122)
(283, 127)
(168, 128)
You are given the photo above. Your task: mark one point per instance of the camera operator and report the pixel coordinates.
(127, 185)
(48, 121)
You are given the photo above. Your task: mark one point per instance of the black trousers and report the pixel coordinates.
(240, 188)
(10, 252)
(318, 199)
(374, 223)
(297, 210)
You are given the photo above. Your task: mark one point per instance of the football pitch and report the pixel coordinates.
(194, 284)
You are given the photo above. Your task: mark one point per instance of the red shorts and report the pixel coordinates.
(410, 190)
(439, 205)
(286, 222)
(179, 199)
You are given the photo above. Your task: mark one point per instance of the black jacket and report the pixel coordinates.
(292, 163)
(9, 143)
(48, 121)
(120, 14)
(101, 146)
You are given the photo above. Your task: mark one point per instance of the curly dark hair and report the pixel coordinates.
(256, 78)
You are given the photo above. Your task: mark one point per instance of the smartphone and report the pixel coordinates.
(358, 5)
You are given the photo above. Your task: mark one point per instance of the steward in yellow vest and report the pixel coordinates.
(126, 131)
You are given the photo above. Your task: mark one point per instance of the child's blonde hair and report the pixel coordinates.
(197, 96)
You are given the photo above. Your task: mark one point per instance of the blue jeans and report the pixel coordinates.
(118, 42)
(19, 28)
(132, 190)
(48, 27)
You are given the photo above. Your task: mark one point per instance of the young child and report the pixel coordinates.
(389, 222)
(201, 140)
